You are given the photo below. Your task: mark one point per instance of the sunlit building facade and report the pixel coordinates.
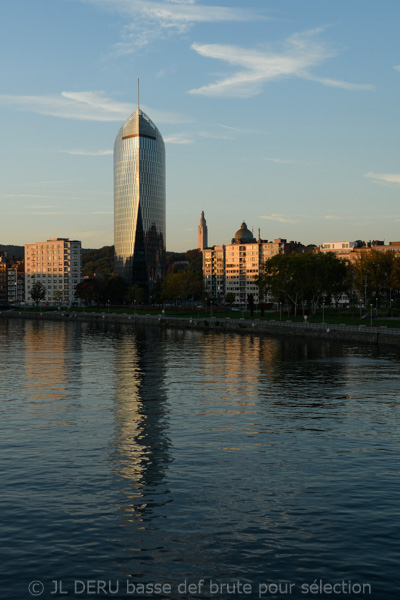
(139, 202)
(57, 264)
(233, 269)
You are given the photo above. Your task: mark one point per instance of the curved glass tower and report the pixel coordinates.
(139, 202)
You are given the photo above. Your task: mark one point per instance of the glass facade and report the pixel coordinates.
(139, 202)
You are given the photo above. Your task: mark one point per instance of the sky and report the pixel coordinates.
(281, 113)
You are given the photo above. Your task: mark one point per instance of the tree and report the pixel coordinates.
(302, 278)
(114, 290)
(182, 285)
(38, 292)
(58, 296)
(88, 290)
(230, 298)
(136, 294)
(374, 273)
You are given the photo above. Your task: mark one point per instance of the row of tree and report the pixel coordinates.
(307, 280)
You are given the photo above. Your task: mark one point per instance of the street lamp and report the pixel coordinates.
(280, 311)
(370, 313)
(108, 306)
(323, 310)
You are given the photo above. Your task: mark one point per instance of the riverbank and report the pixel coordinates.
(379, 336)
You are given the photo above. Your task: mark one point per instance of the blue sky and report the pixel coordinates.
(284, 113)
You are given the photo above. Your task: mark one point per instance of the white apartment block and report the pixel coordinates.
(341, 249)
(57, 265)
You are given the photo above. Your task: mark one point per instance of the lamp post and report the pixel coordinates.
(108, 306)
(370, 313)
(323, 310)
(280, 311)
(376, 302)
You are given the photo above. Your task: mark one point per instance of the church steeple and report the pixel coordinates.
(202, 233)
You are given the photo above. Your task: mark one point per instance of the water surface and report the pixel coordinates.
(170, 457)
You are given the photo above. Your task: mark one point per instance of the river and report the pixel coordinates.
(139, 463)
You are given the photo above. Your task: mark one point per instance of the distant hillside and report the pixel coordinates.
(17, 251)
(100, 261)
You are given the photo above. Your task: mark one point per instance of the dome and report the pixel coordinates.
(244, 235)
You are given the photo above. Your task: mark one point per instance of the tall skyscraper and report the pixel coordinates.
(139, 202)
(202, 233)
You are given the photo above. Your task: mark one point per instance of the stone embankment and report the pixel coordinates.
(380, 336)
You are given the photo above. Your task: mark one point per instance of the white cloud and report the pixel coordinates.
(396, 67)
(178, 138)
(88, 152)
(215, 136)
(26, 196)
(383, 177)
(281, 160)
(150, 20)
(279, 218)
(300, 52)
(84, 106)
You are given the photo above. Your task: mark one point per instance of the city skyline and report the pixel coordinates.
(285, 116)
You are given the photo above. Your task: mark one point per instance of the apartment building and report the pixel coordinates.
(57, 264)
(233, 268)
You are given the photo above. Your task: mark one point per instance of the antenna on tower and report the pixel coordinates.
(138, 93)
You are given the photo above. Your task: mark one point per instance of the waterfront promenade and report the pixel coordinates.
(379, 336)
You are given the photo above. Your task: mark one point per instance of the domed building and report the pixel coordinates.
(243, 236)
(233, 269)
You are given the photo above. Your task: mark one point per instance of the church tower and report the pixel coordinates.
(202, 233)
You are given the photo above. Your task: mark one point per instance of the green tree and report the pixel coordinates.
(230, 298)
(374, 274)
(89, 291)
(303, 279)
(114, 289)
(58, 296)
(38, 292)
(136, 294)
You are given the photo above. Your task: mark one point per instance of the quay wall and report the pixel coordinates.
(379, 336)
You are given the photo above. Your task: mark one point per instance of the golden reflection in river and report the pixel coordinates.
(49, 352)
(140, 448)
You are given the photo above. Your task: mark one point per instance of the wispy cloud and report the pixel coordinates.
(26, 196)
(84, 106)
(150, 20)
(178, 138)
(283, 161)
(88, 152)
(215, 135)
(383, 177)
(278, 218)
(397, 68)
(298, 54)
(342, 217)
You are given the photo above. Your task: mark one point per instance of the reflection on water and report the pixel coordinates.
(181, 455)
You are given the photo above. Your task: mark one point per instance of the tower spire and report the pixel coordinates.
(138, 93)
